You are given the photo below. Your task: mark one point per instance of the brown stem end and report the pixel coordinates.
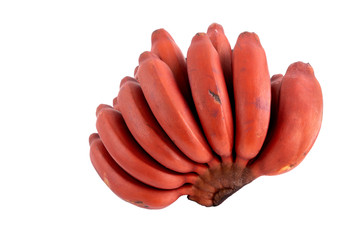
(218, 183)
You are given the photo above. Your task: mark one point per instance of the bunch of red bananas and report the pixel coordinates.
(204, 126)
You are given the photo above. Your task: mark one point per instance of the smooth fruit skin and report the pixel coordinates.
(210, 94)
(147, 131)
(170, 108)
(125, 186)
(164, 46)
(252, 96)
(298, 122)
(131, 157)
(222, 45)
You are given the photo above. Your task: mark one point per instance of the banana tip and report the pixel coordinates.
(93, 137)
(159, 33)
(101, 107)
(146, 55)
(248, 37)
(215, 27)
(199, 36)
(302, 67)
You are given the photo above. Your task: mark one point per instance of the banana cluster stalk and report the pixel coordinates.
(205, 125)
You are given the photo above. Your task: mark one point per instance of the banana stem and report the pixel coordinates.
(227, 159)
(219, 182)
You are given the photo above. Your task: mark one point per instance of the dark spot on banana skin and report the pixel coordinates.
(215, 96)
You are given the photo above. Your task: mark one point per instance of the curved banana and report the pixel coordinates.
(164, 46)
(222, 45)
(125, 186)
(210, 95)
(298, 122)
(131, 157)
(252, 96)
(170, 108)
(148, 133)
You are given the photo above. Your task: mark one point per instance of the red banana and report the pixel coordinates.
(298, 122)
(143, 126)
(127, 187)
(170, 109)
(252, 95)
(210, 95)
(164, 46)
(131, 157)
(221, 43)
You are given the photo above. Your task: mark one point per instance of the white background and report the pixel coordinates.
(60, 59)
